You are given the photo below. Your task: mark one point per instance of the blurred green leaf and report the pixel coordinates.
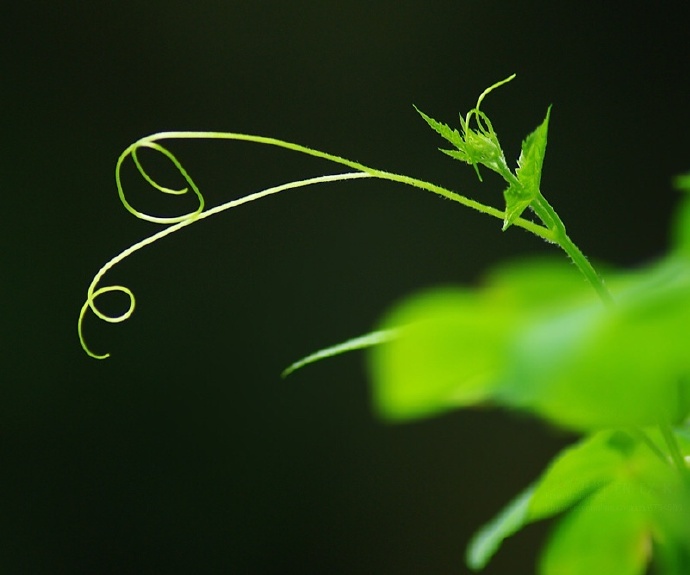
(604, 476)
(682, 182)
(592, 367)
(488, 539)
(608, 533)
(452, 346)
(449, 352)
(538, 340)
(577, 472)
(574, 474)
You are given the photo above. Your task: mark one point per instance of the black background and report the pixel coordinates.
(184, 452)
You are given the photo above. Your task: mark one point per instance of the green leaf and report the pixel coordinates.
(641, 476)
(531, 159)
(588, 367)
(608, 533)
(520, 195)
(361, 342)
(447, 133)
(544, 285)
(453, 346)
(577, 472)
(488, 539)
(574, 474)
(449, 352)
(540, 342)
(474, 146)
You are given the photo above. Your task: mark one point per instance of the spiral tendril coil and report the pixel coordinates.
(174, 223)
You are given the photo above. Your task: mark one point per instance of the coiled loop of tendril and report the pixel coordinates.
(94, 291)
(90, 303)
(147, 143)
(178, 222)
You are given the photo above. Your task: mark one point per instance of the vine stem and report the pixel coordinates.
(179, 222)
(536, 229)
(553, 222)
(94, 291)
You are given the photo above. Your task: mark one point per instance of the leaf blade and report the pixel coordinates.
(519, 195)
(487, 540)
(361, 342)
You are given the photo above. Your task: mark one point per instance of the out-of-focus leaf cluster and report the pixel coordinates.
(535, 338)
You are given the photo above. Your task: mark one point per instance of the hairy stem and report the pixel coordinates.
(553, 222)
(536, 229)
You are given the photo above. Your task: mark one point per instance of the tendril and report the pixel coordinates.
(132, 151)
(176, 224)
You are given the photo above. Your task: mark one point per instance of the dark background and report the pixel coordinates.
(184, 452)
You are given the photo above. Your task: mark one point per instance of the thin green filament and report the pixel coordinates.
(178, 222)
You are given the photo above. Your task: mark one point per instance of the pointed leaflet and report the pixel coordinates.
(573, 474)
(488, 539)
(474, 147)
(449, 134)
(361, 342)
(525, 190)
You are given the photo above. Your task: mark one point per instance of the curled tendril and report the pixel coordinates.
(178, 222)
(175, 224)
(132, 151)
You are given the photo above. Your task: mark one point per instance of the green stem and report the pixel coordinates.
(536, 229)
(553, 222)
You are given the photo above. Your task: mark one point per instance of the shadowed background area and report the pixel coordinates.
(184, 452)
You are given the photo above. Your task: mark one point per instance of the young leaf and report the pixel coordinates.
(474, 146)
(449, 352)
(447, 133)
(520, 195)
(517, 201)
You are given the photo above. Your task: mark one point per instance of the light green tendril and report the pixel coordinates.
(179, 222)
